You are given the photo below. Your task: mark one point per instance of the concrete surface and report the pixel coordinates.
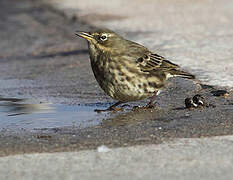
(42, 60)
(43, 66)
(195, 34)
(202, 159)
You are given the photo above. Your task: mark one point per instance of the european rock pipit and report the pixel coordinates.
(128, 71)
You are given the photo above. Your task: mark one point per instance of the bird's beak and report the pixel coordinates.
(84, 35)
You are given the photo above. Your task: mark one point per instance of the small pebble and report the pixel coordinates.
(189, 103)
(198, 99)
(103, 149)
(220, 93)
(195, 102)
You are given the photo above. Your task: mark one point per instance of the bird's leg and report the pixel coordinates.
(111, 108)
(151, 104)
(114, 106)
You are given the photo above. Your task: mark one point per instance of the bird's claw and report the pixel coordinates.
(113, 109)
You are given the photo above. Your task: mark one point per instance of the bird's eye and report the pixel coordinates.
(103, 37)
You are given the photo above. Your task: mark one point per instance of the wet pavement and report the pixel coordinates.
(48, 93)
(16, 115)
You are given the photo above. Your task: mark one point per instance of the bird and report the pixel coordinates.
(127, 71)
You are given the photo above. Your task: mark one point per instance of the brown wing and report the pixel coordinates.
(154, 63)
(151, 62)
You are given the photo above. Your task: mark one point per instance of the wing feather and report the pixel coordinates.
(153, 62)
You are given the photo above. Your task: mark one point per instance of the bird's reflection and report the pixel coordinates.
(134, 116)
(15, 106)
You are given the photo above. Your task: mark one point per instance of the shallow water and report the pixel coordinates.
(20, 114)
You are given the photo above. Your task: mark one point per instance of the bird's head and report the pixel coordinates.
(102, 39)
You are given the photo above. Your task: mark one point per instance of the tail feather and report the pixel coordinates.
(180, 73)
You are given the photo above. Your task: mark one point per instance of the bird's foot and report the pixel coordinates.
(113, 109)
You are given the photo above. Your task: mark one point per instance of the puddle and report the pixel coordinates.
(20, 114)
